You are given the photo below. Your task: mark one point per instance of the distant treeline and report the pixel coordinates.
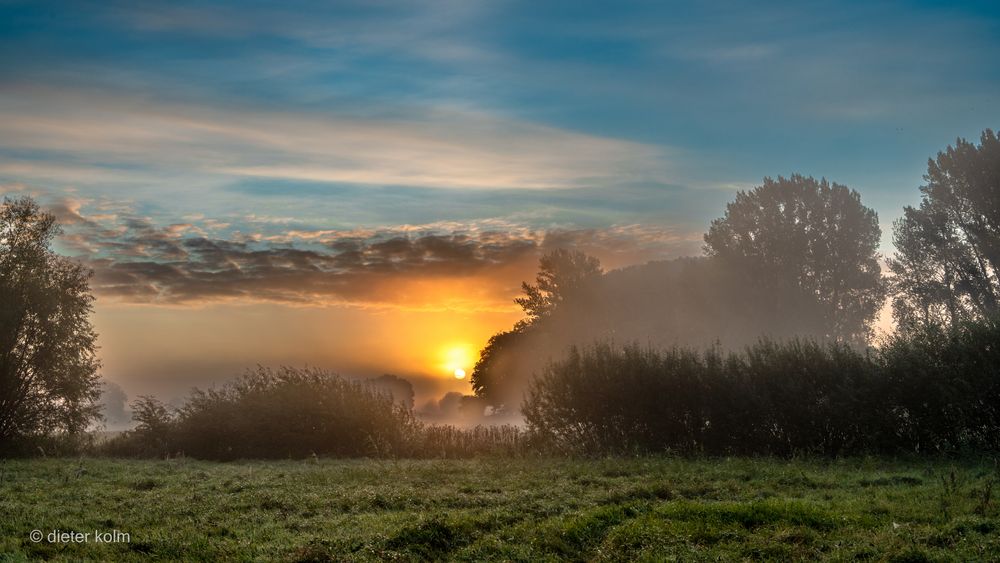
(935, 390)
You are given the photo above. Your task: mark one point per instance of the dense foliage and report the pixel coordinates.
(937, 391)
(800, 236)
(48, 364)
(947, 263)
(943, 387)
(274, 413)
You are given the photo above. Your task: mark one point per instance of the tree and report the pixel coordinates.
(561, 273)
(806, 247)
(150, 414)
(493, 372)
(48, 365)
(500, 373)
(947, 260)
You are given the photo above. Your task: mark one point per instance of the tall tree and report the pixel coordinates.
(560, 273)
(500, 373)
(48, 365)
(806, 245)
(947, 259)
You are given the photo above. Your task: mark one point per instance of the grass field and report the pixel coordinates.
(504, 509)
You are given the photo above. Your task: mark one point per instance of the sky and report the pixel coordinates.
(362, 186)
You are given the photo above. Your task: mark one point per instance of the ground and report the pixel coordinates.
(503, 509)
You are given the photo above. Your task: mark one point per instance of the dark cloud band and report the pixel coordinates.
(135, 260)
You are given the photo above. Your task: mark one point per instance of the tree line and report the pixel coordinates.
(776, 315)
(792, 258)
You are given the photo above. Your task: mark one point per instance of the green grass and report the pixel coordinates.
(651, 509)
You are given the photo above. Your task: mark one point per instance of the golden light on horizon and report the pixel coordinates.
(458, 357)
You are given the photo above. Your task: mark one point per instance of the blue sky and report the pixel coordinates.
(252, 120)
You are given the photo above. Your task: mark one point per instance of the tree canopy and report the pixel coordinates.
(48, 366)
(560, 273)
(801, 239)
(947, 260)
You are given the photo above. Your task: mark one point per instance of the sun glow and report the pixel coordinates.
(458, 358)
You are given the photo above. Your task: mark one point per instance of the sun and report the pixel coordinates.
(457, 359)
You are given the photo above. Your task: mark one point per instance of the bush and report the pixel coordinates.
(945, 387)
(774, 398)
(932, 391)
(274, 413)
(60, 444)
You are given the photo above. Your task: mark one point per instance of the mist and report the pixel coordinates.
(794, 258)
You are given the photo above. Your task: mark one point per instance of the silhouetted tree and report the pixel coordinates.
(498, 374)
(48, 367)
(947, 259)
(151, 415)
(154, 423)
(801, 242)
(560, 273)
(497, 365)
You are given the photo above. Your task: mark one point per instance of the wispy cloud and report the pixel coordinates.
(440, 148)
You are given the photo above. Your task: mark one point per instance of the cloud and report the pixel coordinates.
(731, 54)
(13, 187)
(468, 266)
(440, 147)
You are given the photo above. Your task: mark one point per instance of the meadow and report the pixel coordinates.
(512, 509)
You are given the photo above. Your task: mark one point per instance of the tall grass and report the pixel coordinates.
(441, 441)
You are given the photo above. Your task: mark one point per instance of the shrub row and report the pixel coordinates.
(931, 390)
